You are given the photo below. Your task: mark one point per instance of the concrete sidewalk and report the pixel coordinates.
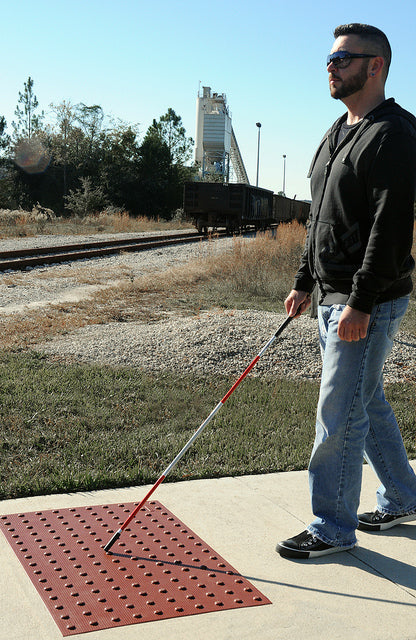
(369, 592)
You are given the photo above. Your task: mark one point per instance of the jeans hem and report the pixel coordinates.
(333, 543)
(399, 513)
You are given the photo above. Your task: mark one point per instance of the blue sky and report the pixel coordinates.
(136, 59)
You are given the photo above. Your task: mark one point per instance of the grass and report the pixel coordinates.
(82, 427)
(72, 427)
(78, 427)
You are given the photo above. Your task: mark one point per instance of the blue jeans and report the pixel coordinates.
(355, 421)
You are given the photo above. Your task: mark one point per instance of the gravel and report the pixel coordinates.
(72, 281)
(48, 240)
(212, 342)
(216, 342)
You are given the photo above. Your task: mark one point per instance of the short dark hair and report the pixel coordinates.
(374, 36)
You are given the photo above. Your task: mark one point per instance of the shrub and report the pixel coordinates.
(86, 200)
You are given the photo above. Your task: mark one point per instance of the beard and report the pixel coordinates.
(351, 85)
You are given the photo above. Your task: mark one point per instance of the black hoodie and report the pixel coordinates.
(361, 221)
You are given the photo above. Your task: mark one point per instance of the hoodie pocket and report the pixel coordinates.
(337, 251)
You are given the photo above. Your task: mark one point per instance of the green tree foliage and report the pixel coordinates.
(172, 132)
(165, 150)
(64, 140)
(4, 138)
(119, 167)
(74, 142)
(6, 183)
(153, 175)
(81, 160)
(90, 119)
(28, 121)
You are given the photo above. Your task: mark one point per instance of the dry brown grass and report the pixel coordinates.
(21, 331)
(248, 273)
(19, 223)
(262, 267)
(248, 266)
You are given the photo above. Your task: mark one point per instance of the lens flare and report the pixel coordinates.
(32, 156)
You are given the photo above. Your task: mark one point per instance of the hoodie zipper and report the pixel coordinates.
(334, 152)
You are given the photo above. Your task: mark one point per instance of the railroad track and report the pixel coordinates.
(25, 258)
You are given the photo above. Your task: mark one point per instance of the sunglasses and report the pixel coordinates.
(341, 59)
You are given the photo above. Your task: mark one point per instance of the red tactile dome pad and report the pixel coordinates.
(158, 569)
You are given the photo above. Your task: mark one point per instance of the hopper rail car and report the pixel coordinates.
(238, 207)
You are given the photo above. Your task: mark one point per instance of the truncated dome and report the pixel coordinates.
(158, 569)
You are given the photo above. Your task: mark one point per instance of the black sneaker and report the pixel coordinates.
(306, 545)
(378, 521)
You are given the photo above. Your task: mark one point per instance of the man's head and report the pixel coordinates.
(364, 54)
(372, 39)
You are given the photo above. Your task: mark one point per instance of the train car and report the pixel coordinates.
(216, 205)
(287, 209)
(235, 207)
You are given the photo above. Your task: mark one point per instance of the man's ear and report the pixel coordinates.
(376, 66)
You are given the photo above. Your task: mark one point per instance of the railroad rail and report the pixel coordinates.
(20, 259)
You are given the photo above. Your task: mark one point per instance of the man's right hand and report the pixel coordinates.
(297, 302)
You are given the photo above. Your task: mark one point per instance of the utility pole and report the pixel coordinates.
(258, 124)
(284, 174)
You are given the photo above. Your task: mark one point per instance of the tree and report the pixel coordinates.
(6, 181)
(173, 133)
(91, 120)
(75, 144)
(153, 175)
(28, 121)
(168, 134)
(119, 165)
(77, 165)
(65, 116)
(4, 138)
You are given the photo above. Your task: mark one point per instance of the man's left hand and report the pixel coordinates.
(353, 324)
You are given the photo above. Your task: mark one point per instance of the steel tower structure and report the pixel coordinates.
(216, 145)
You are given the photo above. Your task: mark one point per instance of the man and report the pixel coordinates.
(363, 181)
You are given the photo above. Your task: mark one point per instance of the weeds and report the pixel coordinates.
(19, 223)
